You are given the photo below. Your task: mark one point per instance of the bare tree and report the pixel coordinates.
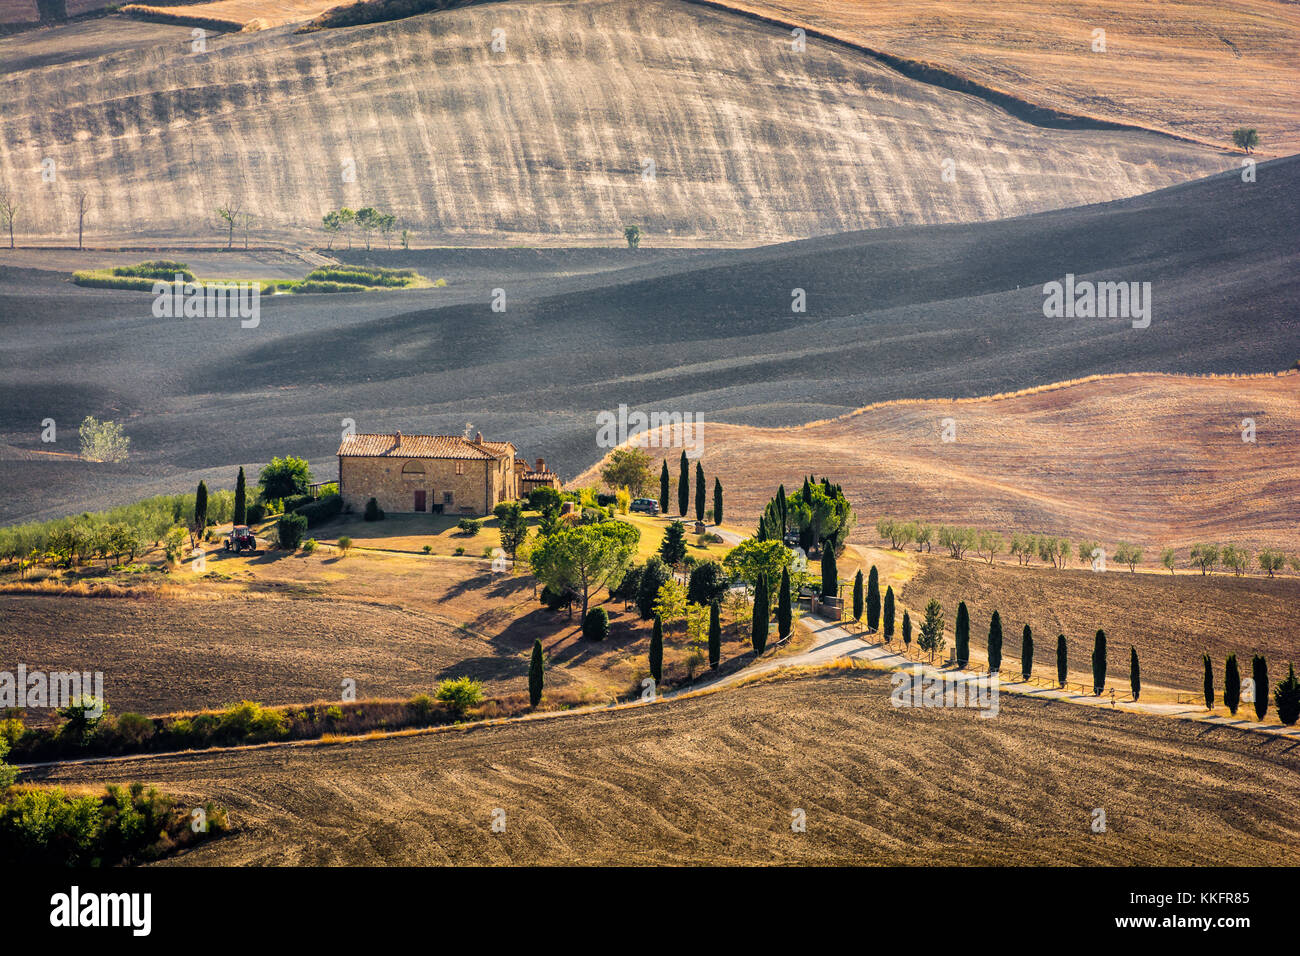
(81, 216)
(8, 210)
(248, 218)
(229, 214)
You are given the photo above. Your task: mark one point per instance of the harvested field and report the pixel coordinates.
(1154, 460)
(714, 780)
(1171, 620)
(749, 142)
(1198, 68)
(232, 14)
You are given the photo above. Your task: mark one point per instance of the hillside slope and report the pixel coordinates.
(1198, 68)
(549, 138)
(915, 312)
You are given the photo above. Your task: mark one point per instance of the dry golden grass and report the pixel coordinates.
(234, 14)
(546, 141)
(1197, 68)
(1155, 460)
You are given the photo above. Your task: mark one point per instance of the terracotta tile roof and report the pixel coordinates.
(420, 446)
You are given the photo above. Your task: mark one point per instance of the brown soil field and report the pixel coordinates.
(714, 780)
(279, 629)
(1155, 460)
(1197, 68)
(1171, 620)
(750, 142)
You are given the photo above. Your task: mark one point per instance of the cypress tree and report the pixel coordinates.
(762, 611)
(699, 491)
(1231, 684)
(1259, 671)
(1099, 664)
(717, 501)
(201, 507)
(995, 643)
(857, 596)
(657, 650)
(663, 488)
(830, 574)
(683, 486)
(536, 676)
(715, 636)
(1287, 698)
(241, 504)
(873, 599)
(907, 630)
(961, 639)
(1027, 653)
(1134, 672)
(1209, 681)
(1062, 668)
(889, 613)
(782, 510)
(784, 617)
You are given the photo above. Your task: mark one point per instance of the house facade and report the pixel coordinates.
(436, 474)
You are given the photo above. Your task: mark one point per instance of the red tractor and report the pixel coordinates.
(241, 538)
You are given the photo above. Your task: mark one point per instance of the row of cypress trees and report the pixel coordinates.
(684, 490)
(1286, 695)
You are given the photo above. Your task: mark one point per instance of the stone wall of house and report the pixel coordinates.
(382, 478)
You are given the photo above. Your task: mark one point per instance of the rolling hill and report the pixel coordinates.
(1197, 68)
(914, 312)
(549, 140)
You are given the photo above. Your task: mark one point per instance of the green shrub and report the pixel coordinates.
(134, 730)
(290, 530)
(364, 276)
(373, 512)
(428, 548)
(345, 544)
(309, 546)
(304, 287)
(320, 510)
(460, 551)
(460, 694)
(596, 625)
(249, 722)
(469, 526)
(155, 269)
(255, 513)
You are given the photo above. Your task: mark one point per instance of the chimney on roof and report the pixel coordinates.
(541, 464)
(479, 439)
(397, 439)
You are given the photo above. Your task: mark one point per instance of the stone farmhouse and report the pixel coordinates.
(438, 474)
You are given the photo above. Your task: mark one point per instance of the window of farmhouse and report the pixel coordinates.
(460, 468)
(413, 470)
(446, 497)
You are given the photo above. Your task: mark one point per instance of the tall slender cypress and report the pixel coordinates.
(1062, 665)
(1231, 684)
(889, 613)
(1134, 672)
(1099, 664)
(783, 509)
(857, 596)
(657, 650)
(536, 676)
(873, 599)
(683, 486)
(762, 611)
(961, 636)
(784, 616)
(830, 574)
(715, 636)
(907, 630)
(1208, 683)
(995, 643)
(241, 504)
(699, 491)
(1027, 653)
(663, 488)
(201, 507)
(717, 501)
(1259, 671)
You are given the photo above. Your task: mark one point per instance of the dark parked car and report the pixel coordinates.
(645, 506)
